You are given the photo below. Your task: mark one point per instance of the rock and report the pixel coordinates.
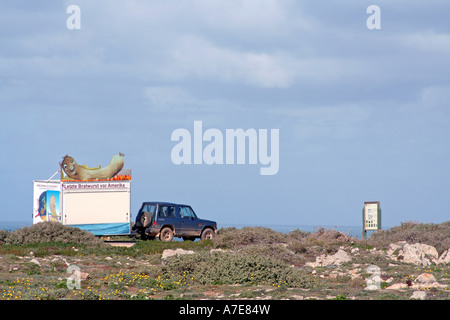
(177, 252)
(417, 253)
(397, 286)
(426, 281)
(217, 250)
(444, 258)
(336, 259)
(425, 278)
(418, 295)
(428, 285)
(13, 267)
(395, 246)
(354, 274)
(35, 261)
(57, 259)
(84, 276)
(392, 265)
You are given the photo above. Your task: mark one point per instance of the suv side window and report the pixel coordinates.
(149, 208)
(186, 212)
(167, 212)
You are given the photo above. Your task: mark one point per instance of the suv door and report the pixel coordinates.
(189, 222)
(167, 216)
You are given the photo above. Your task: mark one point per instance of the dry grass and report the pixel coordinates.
(436, 235)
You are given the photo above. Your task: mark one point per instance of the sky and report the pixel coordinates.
(363, 114)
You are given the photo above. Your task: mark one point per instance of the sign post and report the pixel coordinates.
(371, 215)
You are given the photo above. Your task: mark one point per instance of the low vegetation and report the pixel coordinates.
(231, 268)
(436, 235)
(247, 263)
(49, 232)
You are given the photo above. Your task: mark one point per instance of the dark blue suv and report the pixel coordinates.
(167, 220)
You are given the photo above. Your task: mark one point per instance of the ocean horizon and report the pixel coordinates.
(353, 231)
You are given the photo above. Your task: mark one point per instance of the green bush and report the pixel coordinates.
(235, 268)
(236, 238)
(276, 251)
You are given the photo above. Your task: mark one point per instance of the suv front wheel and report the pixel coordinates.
(166, 234)
(207, 234)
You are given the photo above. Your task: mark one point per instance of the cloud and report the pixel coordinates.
(202, 59)
(427, 41)
(435, 96)
(338, 122)
(165, 97)
(197, 57)
(172, 101)
(231, 41)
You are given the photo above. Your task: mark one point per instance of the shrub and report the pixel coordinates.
(437, 235)
(235, 238)
(322, 241)
(3, 235)
(329, 236)
(234, 268)
(298, 234)
(276, 251)
(45, 232)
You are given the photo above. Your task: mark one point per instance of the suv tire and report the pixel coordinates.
(146, 219)
(208, 233)
(166, 234)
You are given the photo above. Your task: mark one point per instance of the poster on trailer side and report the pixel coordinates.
(46, 201)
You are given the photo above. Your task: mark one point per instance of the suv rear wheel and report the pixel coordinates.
(166, 234)
(207, 234)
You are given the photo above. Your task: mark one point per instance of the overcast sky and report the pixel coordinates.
(363, 115)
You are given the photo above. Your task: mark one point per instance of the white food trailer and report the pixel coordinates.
(100, 207)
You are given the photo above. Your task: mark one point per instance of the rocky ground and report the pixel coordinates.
(349, 270)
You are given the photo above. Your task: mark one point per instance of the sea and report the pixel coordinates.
(353, 231)
(14, 225)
